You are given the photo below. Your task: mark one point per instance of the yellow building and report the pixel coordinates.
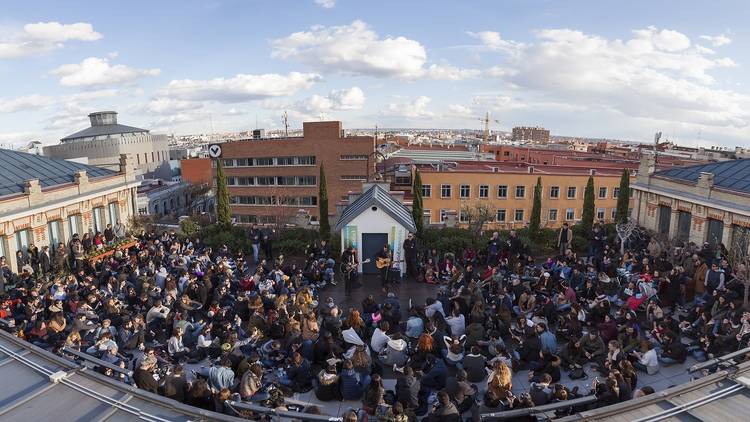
(507, 190)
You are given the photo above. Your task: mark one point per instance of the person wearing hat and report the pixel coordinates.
(395, 352)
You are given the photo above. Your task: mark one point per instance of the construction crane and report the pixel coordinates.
(486, 121)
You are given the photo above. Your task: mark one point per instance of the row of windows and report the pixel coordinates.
(358, 157)
(353, 177)
(254, 219)
(304, 160)
(156, 156)
(501, 215)
(302, 201)
(464, 191)
(272, 180)
(55, 229)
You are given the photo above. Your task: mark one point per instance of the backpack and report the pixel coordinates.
(577, 374)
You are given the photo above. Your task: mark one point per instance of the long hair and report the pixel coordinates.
(503, 375)
(354, 320)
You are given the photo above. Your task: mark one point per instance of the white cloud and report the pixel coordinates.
(344, 99)
(241, 87)
(56, 32)
(656, 74)
(493, 41)
(717, 40)
(326, 4)
(450, 73)
(354, 49)
(162, 105)
(460, 110)
(415, 109)
(36, 38)
(94, 71)
(25, 103)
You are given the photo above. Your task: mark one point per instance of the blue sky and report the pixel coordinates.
(584, 68)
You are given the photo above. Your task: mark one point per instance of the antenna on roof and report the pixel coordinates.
(657, 136)
(285, 118)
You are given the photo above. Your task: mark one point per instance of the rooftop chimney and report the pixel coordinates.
(103, 118)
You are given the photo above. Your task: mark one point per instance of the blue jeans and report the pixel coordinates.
(256, 251)
(666, 361)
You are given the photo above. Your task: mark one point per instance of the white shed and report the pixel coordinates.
(372, 220)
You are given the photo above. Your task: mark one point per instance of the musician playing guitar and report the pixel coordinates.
(349, 263)
(383, 262)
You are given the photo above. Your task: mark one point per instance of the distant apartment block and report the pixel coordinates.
(533, 134)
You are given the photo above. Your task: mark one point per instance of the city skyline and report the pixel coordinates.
(197, 67)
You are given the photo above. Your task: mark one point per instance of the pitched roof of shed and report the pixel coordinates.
(377, 195)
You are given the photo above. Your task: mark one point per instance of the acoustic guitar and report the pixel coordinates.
(385, 262)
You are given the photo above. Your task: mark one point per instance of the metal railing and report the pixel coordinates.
(718, 361)
(96, 361)
(537, 410)
(282, 415)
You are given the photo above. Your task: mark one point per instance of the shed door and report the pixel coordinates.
(372, 243)
(715, 231)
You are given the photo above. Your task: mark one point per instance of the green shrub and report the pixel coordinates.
(290, 247)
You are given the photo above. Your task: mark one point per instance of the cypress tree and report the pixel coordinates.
(223, 213)
(417, 211)
(587, 219)
(623, 198)
(325, 225)
(536, 210)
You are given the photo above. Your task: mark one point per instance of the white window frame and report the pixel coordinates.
(506, 191)
(557, 189)
(600, 213)
(549, 214)
(575, 192)
(568, 212)
(428, 190)
(443, 188)
(600, 196)
(484, 191)
(616, 192)
(462, 188)
(523, 190)
(505, 215)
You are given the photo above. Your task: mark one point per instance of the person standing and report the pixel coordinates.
(384, 258)
(410, 254)
(565, 239)
(493, 249)
(268, 243)
(255, 240)
(44, 261)
(349, 267)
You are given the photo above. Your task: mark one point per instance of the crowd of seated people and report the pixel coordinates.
(261, 329)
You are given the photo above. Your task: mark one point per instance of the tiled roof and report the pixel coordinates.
(20, 167)
(732, 175)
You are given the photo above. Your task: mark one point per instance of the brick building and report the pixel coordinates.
(196, 171)
(271, 179)
(699, 203)
(45, 201)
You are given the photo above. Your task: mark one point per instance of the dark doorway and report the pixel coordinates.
(372, 243)
(683, 226)
(715, 231)
(665, 215)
